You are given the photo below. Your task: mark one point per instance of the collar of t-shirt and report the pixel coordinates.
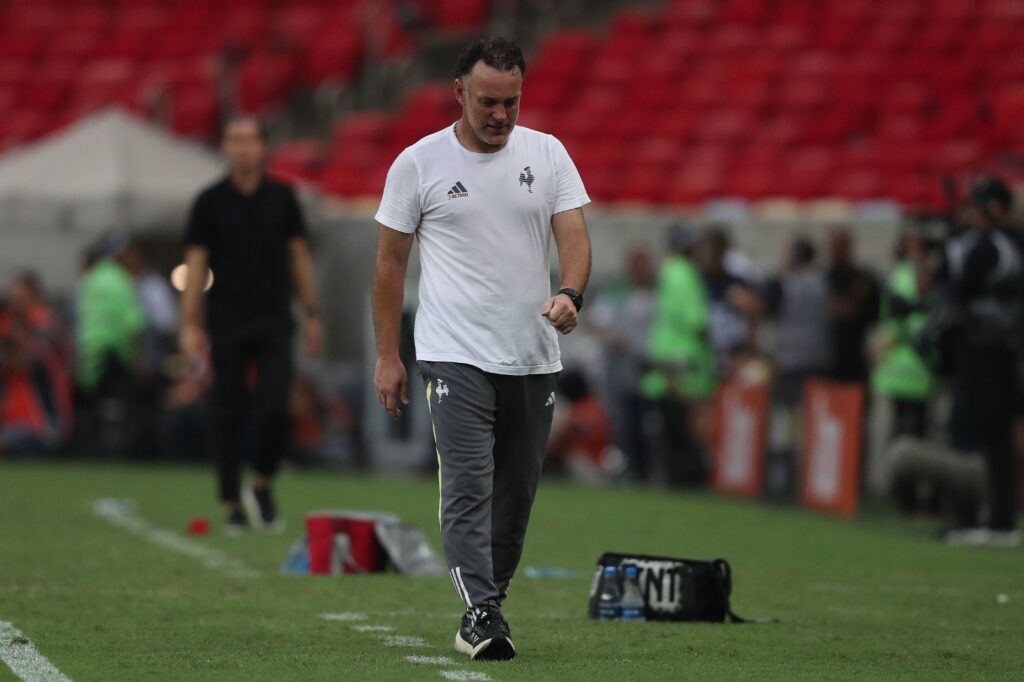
(480, 157)
(233, 188)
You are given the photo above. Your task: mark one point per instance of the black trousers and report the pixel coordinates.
(684, 466)
(270, 353)
(910, 418)
(986, 387)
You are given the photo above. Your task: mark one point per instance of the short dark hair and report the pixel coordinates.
(990, 188)
(573, 385)
(803, 251)
(261, 126)
(30, 280)
(498, 53)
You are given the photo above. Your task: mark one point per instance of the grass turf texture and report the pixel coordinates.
(868, 599)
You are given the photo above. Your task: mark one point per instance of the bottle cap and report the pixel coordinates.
(631, 571)
(609, 570)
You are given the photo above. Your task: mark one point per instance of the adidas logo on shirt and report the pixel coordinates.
(458, 191)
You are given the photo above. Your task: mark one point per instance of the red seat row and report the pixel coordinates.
(756, 98)
(61, 59)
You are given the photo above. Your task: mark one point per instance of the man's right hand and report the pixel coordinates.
(392, 384)
(192, 341)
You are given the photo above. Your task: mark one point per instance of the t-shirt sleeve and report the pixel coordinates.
(569, 191)
(198, 231)
(296, 226)
(400, 205)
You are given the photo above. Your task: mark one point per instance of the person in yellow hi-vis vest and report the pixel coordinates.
(681, 379)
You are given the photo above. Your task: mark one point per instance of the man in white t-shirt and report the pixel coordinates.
(484, 198)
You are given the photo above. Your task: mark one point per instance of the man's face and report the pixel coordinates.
(975, 216)
(490, 103)
(243, 145)
(840, 247)
(641, 269)
(20, 295)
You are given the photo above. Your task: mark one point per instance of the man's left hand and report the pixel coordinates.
(561, 313)
(314, 334)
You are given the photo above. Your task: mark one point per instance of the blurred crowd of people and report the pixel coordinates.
(948, 318)
(100, 374)
(97, 374)
(672, 332)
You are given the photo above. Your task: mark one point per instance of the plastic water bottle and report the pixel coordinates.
(633, 603)
(611, 595)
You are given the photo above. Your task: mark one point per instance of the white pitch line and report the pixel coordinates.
(465, 675)
(373, 628)
(402, 640)
(430, 660)
(345, 617)
(22, 657)
(121, 513)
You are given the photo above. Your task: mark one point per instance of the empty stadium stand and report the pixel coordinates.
(858, 99)
(61, 59)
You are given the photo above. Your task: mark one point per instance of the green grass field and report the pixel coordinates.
(868, 599)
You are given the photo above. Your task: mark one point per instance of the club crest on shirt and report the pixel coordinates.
(526, 178)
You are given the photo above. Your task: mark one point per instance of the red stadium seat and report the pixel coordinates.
(457, 14)
(298, 160)
(195, 112)
(265, 78)
(334, 61)
(369, 127)
(860, 98)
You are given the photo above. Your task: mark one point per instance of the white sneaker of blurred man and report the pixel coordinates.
(984, 537)
(261, 510)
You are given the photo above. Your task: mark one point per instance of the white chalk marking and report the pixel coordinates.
(467, 675)
(24, 660)
(373, 628)
(402, 640)
(430, 660)
(121, 513)
(345, 617)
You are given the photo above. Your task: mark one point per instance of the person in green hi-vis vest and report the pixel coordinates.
(110, 320)
(682, 377)
(903, 373)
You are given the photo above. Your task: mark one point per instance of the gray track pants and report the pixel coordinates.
(491, 432)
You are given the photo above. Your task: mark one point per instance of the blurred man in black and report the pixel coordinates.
(250, 232)
(854, 300)
(986, 272)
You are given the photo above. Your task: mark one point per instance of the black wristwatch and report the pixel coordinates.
(575, 296)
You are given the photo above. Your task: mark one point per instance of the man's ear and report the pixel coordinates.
(460, 92)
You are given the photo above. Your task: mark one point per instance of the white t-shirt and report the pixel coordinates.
(484, 226)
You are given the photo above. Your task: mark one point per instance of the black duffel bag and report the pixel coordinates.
(674, 589)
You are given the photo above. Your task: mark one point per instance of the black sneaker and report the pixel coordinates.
(485, 636)
(237, 523)
(260, 505)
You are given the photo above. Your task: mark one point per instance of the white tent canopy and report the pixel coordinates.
(109, 171)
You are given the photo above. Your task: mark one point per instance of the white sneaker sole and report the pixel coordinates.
(252, 510)
(984, 537)
(496, 649)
